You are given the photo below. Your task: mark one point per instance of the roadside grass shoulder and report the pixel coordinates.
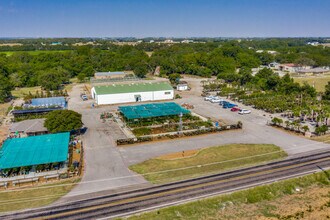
(207, 161)
(35, 196)
(260, 197)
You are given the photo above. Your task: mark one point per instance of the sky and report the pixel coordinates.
(164, 18)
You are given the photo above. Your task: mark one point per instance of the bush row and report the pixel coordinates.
(126, 141)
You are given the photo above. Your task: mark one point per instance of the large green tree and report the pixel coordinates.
(5, 88)
(63, 120)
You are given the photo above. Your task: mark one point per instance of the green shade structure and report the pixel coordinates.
(152, 110)
(35, 150)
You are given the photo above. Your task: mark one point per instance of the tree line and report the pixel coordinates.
(215, 58)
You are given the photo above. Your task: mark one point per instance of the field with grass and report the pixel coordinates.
(207, 161)
(318, 81)
(305, 197)
(21, 92)
(24, 198)
(36, 52)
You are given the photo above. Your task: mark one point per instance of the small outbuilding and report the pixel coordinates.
(182, 86)
(134, 92)
(109, 75)
(28, 127)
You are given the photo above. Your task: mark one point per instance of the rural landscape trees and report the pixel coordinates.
(36, 63)
(63, 120)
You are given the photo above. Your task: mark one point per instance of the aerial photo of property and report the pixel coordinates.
(165, 109)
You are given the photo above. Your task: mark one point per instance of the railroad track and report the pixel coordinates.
(121, 204)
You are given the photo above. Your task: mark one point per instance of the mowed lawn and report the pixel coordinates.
(319, 82)
(24, 198)
(207, 161)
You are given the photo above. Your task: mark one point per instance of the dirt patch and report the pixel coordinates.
(179, 155)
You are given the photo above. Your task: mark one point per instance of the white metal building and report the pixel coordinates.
(182, 86)
(135, 92)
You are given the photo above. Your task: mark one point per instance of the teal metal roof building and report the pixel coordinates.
(134, 92)
(34, 150)
(152, 110)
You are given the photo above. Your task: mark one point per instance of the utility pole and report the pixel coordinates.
(180, 123)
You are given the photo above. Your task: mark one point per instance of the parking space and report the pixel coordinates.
(107, 164)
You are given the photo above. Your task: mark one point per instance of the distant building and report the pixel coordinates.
(56, 43)
(313, 43)
(54, 102)
(313, 71)
(259, 51)
(135, 92)
(28, 127)
(109, 75)
(187, 41)
(274, 65)
(272, 52)
(168, 41)
(182, 86)
(292, 68)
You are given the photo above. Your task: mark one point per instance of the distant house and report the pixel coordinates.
(182, 86)
(187, 41)
(259, 51)
(109, 75)
(168, 41)
(292, 68)
(273, 52)
(274, 65)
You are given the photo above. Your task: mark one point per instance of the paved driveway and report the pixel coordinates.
(254, 130)
(106, 164)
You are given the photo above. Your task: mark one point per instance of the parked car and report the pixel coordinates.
(244, 111)
(216, 100)
(228, 105)
(235, 109)
(84, 97)
(222, 102)
(209, 98)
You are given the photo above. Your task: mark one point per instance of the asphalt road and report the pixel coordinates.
(123, 204)
(106, 164)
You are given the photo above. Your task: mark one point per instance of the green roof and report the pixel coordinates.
(130, 88)
(28, 151)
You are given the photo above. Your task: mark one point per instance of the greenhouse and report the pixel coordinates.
(152, 110)
(35, 150)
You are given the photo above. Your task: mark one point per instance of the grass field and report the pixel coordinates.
(21, 92)
(207, 161)
(35, 197)
(4, 108)
(318, 82)
(36, 52)
(280, 200)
